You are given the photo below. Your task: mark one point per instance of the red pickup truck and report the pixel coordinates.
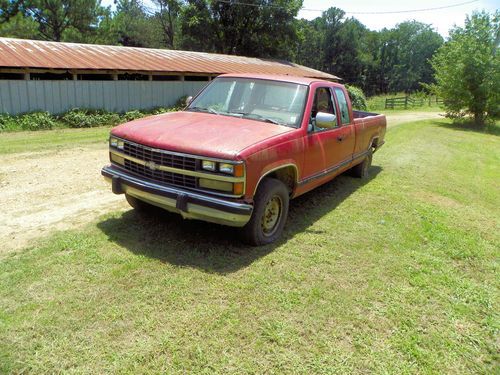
(241, 149)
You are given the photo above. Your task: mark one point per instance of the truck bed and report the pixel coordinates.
(363, 114)
(370, 128)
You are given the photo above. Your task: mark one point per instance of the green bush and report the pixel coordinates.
(36, 121)
(133, 115)
(77, 118)
(467, 70)
(86, 118)
(160, 110)
(180, 103)
(7, 123)
(357, 96)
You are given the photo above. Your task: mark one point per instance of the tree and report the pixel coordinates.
(132, 26)
(8, 9)
(260, 28)
(310, 43)
(55, 17)
(390, 60)
(337, 45)
(467, 69)
(401, 57)
(19, 26)
(167, 15)
(405, 53)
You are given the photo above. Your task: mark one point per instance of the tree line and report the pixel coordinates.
(464, 71)
(390, 60)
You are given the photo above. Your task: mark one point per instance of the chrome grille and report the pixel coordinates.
(159, 158)
(161, 176)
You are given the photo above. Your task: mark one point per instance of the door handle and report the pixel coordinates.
(340, 138)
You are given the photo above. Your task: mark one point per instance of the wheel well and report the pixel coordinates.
(287, 175)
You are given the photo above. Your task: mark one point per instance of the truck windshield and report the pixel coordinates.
(275, 102)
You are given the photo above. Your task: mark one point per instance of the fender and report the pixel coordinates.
(276, 166)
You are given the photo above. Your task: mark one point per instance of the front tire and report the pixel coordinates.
(269, 213)
(137, 204)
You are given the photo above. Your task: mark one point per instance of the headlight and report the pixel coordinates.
(226, 168)
(120, 145)
(113, 142)
(208, 165)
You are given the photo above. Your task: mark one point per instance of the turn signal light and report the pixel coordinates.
(238, 188)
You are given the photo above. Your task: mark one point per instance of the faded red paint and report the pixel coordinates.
(265, 146)
(199, 133)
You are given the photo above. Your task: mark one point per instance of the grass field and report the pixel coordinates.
(53, 139)
(397, 274)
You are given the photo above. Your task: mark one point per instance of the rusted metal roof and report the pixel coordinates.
(21, 53)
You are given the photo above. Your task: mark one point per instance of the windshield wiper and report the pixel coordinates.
(202, 109)
(261, 118)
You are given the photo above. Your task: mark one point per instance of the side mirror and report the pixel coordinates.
(188, 100)
(326, 120)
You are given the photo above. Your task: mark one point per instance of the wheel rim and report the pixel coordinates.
(272, 215)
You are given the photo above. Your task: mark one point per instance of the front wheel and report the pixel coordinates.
(137, 204)
(269, 213)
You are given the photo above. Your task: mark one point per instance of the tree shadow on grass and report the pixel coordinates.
(216, 248)
(491, 129)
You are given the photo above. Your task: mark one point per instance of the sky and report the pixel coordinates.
(441, 19)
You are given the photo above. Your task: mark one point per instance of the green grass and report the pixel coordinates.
(397, 274)
(51, 139)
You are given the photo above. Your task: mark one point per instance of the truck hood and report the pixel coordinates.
(198, 133)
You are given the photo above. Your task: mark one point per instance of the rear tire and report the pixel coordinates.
(362, 170)
(137, 204)
(269, 214)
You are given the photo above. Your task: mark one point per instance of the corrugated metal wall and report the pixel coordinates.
(18, 96)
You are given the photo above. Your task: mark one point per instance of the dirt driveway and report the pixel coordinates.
(52, 190)
(61, 189)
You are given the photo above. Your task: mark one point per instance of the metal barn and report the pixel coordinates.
(55, 77)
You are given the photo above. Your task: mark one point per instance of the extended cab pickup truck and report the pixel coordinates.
(241, 149)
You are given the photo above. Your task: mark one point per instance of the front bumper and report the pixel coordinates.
(189, 204)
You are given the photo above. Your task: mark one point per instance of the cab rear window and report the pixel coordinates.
(344, 108)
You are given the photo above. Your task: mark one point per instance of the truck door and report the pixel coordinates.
(346, 134)
(327, 150)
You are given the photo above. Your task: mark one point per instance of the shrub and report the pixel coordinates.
(180, 103)
(467, 69)
(160, 110)
(7, 123)
(357, 96)
(75, 118)
(36, 121)
(86, 118)
(133, 115)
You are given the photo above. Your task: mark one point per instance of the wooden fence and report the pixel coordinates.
(409, 102)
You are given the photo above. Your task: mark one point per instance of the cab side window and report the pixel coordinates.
(344, 108)
(323, 102)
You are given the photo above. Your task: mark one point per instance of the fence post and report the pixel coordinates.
(406, 102)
